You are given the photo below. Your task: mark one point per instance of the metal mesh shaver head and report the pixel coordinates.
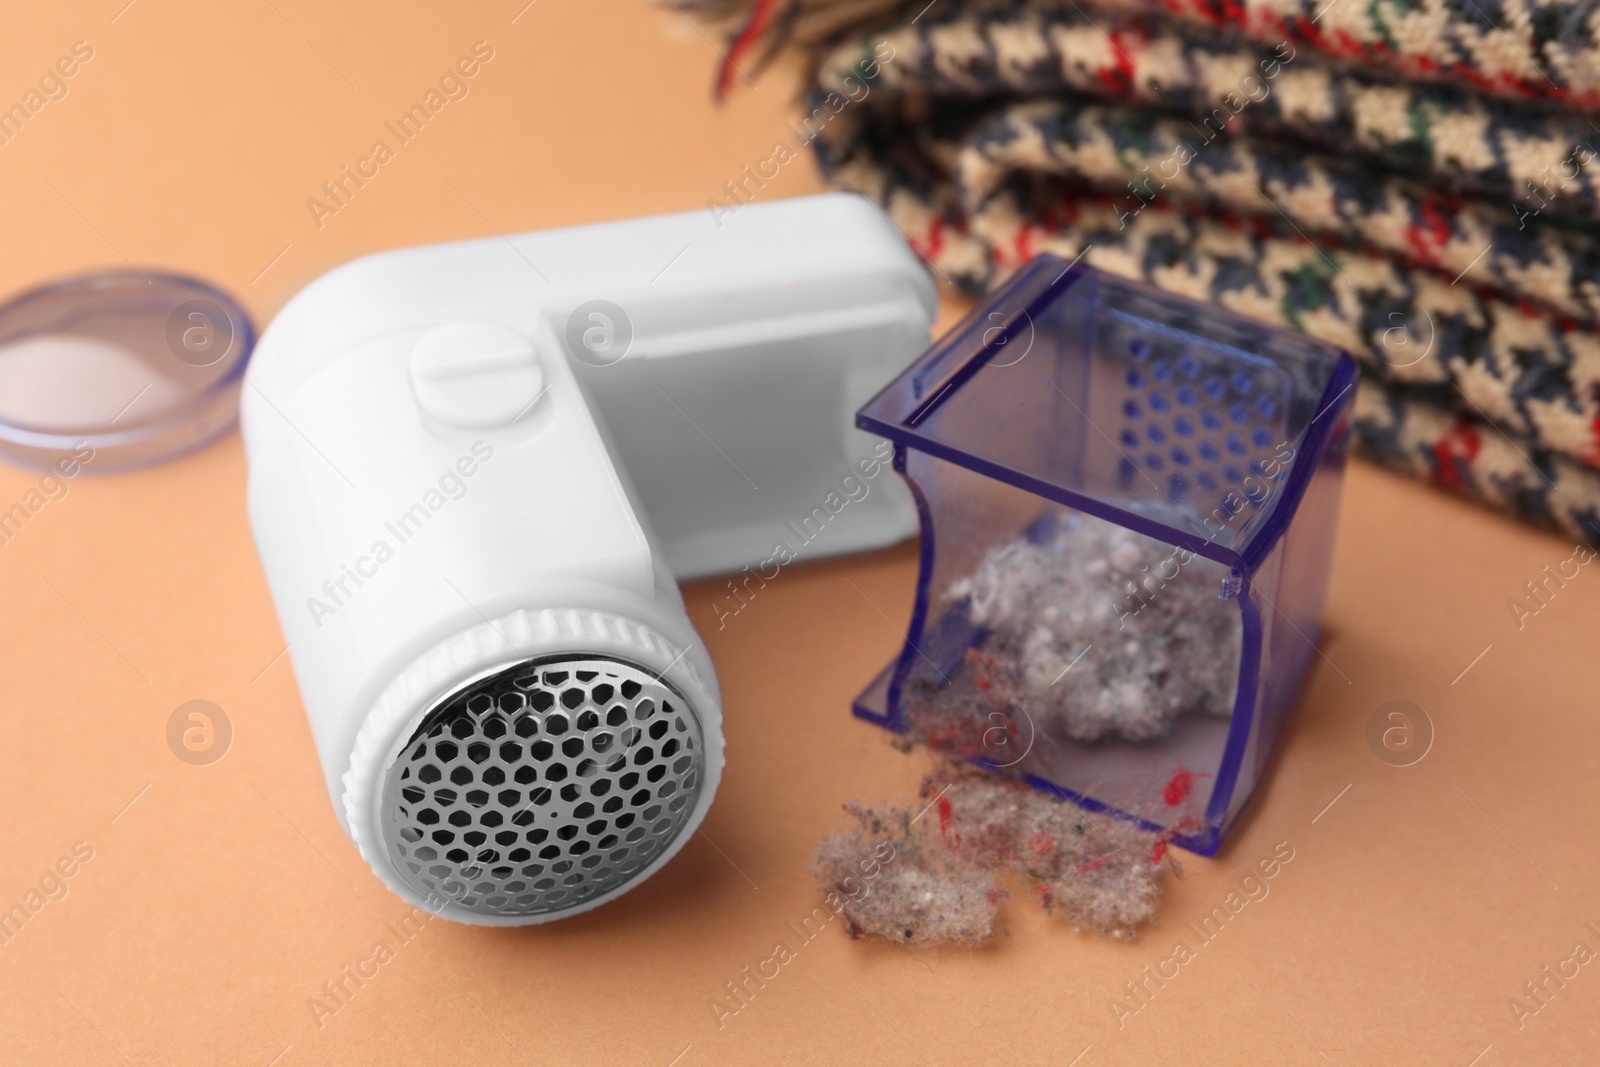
(541, 787)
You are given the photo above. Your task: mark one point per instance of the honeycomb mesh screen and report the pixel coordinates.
(543, 786)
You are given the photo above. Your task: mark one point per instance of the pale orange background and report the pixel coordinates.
(223, 898)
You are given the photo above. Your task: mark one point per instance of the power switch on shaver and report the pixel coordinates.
(475, 375)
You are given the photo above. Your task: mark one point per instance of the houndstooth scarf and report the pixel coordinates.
(1417, 181)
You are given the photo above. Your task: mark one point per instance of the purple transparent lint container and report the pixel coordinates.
(1128, 502)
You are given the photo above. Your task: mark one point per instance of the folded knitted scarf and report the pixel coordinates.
(1417, 181)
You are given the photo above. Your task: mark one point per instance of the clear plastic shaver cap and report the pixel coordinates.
(127, 367)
